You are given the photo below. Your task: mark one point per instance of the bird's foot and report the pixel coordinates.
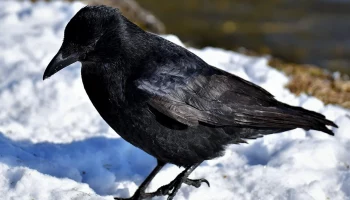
(137, 196)
(118, 198)
(169, 189)
(172, 188)
(130, 198)
(196, 182)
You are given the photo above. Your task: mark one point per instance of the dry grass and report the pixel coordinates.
(316, 82)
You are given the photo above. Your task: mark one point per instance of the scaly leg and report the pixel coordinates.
(140, 192)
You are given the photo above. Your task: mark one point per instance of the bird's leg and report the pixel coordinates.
(140, 192)
(183, 177)
(172, 188)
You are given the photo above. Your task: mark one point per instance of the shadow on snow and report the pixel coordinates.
(99, 162)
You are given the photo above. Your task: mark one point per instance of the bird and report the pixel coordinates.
(165, 100)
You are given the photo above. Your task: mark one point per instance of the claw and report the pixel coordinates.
(196, 182)
(169, 189)
(172, 188)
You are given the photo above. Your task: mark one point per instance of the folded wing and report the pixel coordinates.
(217, 98)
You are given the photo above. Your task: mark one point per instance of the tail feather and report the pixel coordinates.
(314, 120)
(282, 116)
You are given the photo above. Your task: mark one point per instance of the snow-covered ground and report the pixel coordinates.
(54, 145)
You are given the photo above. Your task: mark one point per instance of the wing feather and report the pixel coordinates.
(222, 99)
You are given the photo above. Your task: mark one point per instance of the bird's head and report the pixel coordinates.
(82, 35)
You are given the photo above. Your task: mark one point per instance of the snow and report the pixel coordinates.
(54, 145)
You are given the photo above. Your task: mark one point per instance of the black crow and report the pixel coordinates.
(165, 100)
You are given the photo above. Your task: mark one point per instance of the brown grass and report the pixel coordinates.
(316, 82)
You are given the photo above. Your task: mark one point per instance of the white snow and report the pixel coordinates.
(54, 145)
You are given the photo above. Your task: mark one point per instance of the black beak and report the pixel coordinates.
(58, 63)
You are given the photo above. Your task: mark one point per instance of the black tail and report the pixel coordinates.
(309, 119)
(280, 117)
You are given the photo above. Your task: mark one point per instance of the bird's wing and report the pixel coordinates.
(209, 96)
(214, 97)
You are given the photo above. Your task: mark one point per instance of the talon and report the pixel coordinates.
(196, 182)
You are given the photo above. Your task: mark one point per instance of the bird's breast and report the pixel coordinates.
(105, 92)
